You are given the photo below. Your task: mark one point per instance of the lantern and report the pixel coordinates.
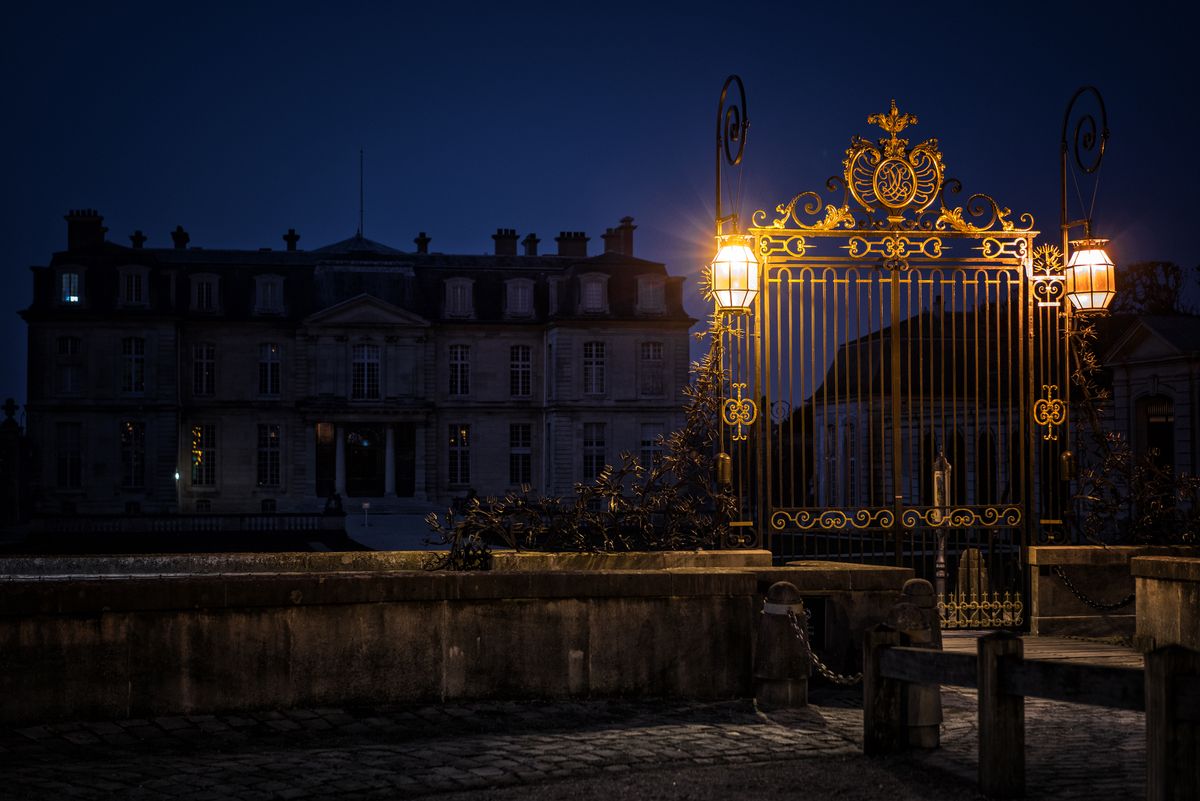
(1091, 276)
(941, 487)
(735, 275)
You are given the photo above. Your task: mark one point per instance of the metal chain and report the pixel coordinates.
(1098, 605)
(801, 633)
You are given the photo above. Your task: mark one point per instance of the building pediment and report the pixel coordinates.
(365, 310)
(1143, 343)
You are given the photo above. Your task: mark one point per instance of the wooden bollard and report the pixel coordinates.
(883, 724)
(781, 665)
(1001, 720)
(1172, 724)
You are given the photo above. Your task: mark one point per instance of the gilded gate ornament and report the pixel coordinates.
(1050, 411)
(739, 412)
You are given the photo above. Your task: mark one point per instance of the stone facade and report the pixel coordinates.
(233, 381)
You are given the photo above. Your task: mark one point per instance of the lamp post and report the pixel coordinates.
(733, 273)
(1090, 274)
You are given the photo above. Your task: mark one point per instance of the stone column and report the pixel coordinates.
(419, 463)
(389, 464)
(339, 474)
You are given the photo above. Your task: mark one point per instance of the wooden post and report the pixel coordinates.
(883, 722)
(1172, 739)
(1001, 720)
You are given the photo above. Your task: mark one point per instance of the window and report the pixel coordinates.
(651, 298)
(520, 371)
(459, 457)
(69, 288)
(651, 368)
(70, 371)
(593, 368)
(593, 293)
(204, 455)
(68, 346)
(459, 301)
(204, 368)
(133, 365)
(133, 287)
(520, 458)
(268, 455)
(519, 297)
(133, 454)
(68, 439)
(268, 294)
(268, 368)
(460, 369)
(203, 506)
(205, 292)
(652, 448)
(268, 506)
(364, 379)
(593, 449)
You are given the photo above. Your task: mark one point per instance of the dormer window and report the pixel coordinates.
(459, 297)
(651, 298)
(69, 287)
(133, 286)
(268, 294)
(593, 293)
(518, 299)
(205, 293)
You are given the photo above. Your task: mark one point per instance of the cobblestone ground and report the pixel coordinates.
(529, 750)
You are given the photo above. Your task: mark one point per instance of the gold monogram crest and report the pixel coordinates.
(890, 175)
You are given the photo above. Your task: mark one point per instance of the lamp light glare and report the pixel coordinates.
(735, 275)
(1091, 276)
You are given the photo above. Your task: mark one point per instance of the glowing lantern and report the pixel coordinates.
(735, 275)
(1091, 276)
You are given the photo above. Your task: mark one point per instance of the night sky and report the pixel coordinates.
(239, 123)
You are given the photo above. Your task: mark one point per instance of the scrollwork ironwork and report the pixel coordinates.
(1085, 142)
(833, 519)
(991, 610)
(739, 412)
(1050, 412)
(961, 517)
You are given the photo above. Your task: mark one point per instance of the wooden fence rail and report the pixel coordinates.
(1168, 691)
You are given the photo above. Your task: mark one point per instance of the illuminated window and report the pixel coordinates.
(650, 294)
(651, 368)
(459, 300)
(268, 368)
(268, 294)
(459, 455)
(593, 449)
(204, 455)
(69, 288)
(460, 370)
(133, 365)
(204, 369)
(364, 369)
(593, 368)
(520, 454)
(652, 448)
(520, 371)
(133, 454)
(68, 443)
(519, 297)
(268, 454)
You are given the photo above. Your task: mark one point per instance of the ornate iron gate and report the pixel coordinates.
(883, 387)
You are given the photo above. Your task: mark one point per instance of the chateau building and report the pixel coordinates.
(231, 381)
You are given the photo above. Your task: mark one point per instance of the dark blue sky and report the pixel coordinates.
(239, 121)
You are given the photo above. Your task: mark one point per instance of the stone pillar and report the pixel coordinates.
(339, 474)
(389, 464)
(419, 493)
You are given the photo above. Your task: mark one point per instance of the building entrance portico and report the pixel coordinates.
(361, 459)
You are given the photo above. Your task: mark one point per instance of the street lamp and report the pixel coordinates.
(734, 275)
(1090, 274)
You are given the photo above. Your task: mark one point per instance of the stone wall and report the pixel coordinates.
(1168, 602)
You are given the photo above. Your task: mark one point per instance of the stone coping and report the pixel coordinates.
(1102, 554)
(1166, 568)
(362, 561)
(818, 576)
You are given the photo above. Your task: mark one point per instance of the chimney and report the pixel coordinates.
(291, 237)
(506, 241)
(180, 237)
(572, 244)
(84, 230)
(422, 243)
(530, 243)
(138, 239)
(612, 240)
(625, 229)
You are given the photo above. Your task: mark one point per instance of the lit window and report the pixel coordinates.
(593, 368)
(68, 439)
(520, 373)
(364, 384)
(459, 301)
(133, 454)
(519, 298)
(268, 455)
(460, 370)
(651, 368)
(651, 299)
(204, 369)
(69, 288)
(459, 456)
(593, 449)
(268, 368)
(133, 365)
(520, 458)
(204, 455)
(268, 294)
(652, 448)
